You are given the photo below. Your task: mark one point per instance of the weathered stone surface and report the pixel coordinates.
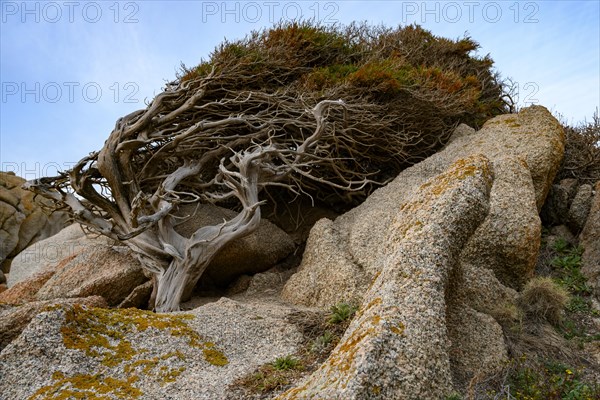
(46, 254)
(268, 283)
(556, 208)
(254, 253)
(509, 240)
(527, 147)
(183, 356)
(590, 241)
(15, 319)
(580, 208)
(462, 130)
(22, 220)
(323, 262)
(108, 271)
(397, 345)
(476, 344)
(139, 296)
(26, 290)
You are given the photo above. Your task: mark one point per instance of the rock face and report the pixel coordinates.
(109, 271)
(556, 208)
(15, 319)
(590, 240)
(580, 208)
(359, 257)
(254, 253)
(396, 347)
(22, 220)
(46, 254)
(347, 254)
(182, 356)
(26, 290)
(84, 267)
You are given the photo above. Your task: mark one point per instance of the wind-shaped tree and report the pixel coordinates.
(301, 109)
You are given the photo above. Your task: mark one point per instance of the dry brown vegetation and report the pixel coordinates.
(582, 152)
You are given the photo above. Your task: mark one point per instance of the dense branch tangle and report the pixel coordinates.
(265, 112)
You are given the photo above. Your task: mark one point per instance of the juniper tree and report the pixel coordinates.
(326, 112)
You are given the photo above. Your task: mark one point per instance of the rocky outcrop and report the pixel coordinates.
(525, 150)
(396, 347)
(590, 241)
(347, 259)
(136, 354)
(556, 208)
(14, 319)
(254, 253)
(79, 267)
(22, 218)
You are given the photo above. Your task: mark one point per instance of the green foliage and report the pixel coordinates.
(554, 381)
(322, 342)
(286, 363)
(273, 376)
(424, 84)
(568, 266)
(454, 396)
(342, 312)
(561, 246)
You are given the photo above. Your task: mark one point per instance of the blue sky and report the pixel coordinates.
(70, 69)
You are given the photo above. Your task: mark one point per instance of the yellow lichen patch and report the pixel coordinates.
(459, 171)
(106, 334)
(343, 357)
(214, 356)
(170, 375)
(376, 301)
(94, 330)
(398, 329)
(89, 387)
(146, 366)
(376, 390)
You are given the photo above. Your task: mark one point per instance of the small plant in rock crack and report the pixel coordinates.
(342, 312)
(321, 343)
(286, 363)
(561, 246)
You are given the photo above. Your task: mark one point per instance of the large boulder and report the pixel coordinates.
(251, 254)
(556, 208)
(580, 208)
(47, 254)
(397, 345)
(525, 149)
(23, 218)
(134, 354)
(346, 260)
(590, 241)
(26, 290)
(108, 271)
